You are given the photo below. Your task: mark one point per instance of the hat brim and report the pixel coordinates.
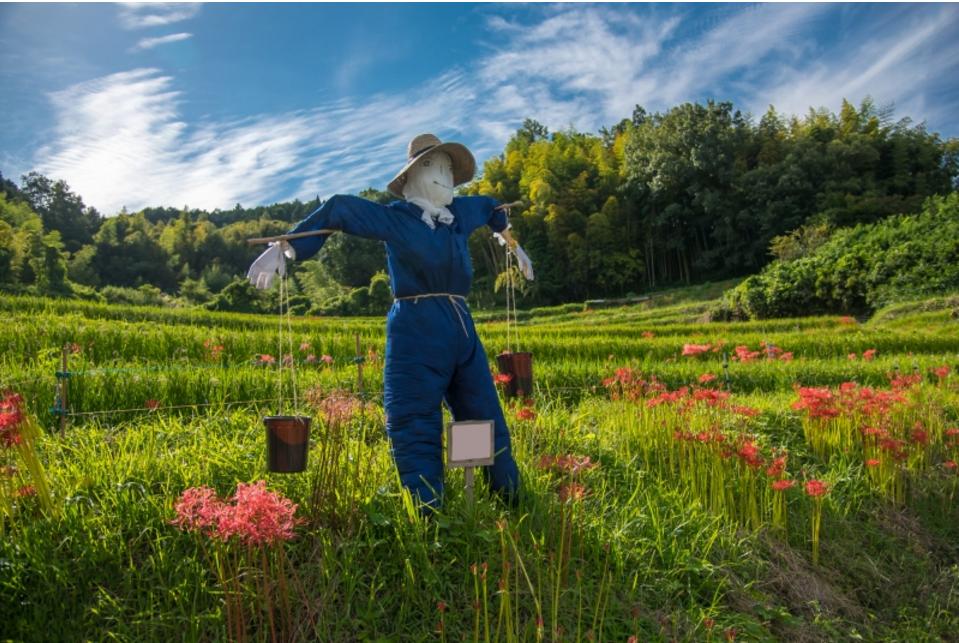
(464, 166)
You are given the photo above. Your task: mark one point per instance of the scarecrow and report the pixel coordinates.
(433, 353)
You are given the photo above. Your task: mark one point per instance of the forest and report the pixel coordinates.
(700, 192)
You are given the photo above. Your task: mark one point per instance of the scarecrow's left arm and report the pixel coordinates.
(486, 210)
(351, 214)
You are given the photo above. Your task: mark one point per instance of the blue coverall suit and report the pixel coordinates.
(432, 349)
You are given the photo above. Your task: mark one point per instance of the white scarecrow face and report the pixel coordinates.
(431, 178)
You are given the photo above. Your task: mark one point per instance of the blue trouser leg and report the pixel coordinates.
(415, 429)
(472, 396)
(416, 373)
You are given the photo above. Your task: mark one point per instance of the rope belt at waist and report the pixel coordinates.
(453, 301)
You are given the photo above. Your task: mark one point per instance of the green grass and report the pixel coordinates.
(644, 553)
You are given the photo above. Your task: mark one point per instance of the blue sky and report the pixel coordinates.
(209, 105)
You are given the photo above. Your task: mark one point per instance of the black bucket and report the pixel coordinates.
(520, 367)
(287, 442)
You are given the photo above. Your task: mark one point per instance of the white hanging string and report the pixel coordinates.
(285, 300)
(289, 334)
(279, 353)
(511, 317)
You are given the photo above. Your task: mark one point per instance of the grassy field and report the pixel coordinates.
(789, 479)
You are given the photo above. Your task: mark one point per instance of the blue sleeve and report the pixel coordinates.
(352, 215)
(480, 211)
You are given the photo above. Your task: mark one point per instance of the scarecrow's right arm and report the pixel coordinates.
(350, 214)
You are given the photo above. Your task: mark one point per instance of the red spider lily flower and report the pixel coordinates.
(305, 347)
(869, 355)
(695, 349)
(903, 382)
(705, 378)
(749, 453)
(257, 516)
(265, 359)
(326, 359)
(441, 606)
(153, 405)
(198, 509)
(816, 488)
(667, 397)
(570, 464)
(338, 406)
(847, 320)
(503, 378)
(777, 467)
(709, 623)
(941, 372)
(648, 334)
(873, 462)
(870, 430)
(852, 357)
(572, 491)
(786, 357)
(743, 354)
(213, 348)
(782, 485)
(287, 360)
(817, 402)
(919, 435)
(526, 414)
(9, 471)
(310, 359)
(711, 397)
(11, 418)
(632, 639)
(74, 348)
(951, 432)
(26, 491)
(746, 411)
(950, 464)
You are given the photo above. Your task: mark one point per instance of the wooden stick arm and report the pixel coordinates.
(287, 237)
(313, 233)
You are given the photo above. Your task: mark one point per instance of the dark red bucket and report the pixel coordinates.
(520, 367)
(287, 442)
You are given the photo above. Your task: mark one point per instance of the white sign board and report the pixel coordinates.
(469, 443)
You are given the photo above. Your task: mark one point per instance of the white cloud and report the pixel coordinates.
(150, 43)
(898, 63)
(122, 142)
(155, 14)
(122, 139)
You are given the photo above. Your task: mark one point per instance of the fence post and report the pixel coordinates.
(63, 385)
(359, 359)
(729, 384)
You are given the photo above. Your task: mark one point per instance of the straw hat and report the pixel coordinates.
(464, 165)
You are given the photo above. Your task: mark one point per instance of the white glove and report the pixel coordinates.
(525, 265)
(269, 264)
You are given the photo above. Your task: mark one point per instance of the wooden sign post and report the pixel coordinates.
(469, 444)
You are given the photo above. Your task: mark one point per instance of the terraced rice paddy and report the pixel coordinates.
(752, 481)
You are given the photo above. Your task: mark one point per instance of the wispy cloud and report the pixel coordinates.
(900, 61)
(150, 43)
(123, 142)
(123, 139)
(155, 14)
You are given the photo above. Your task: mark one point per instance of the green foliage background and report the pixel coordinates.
(859, 269)
(696, 193)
